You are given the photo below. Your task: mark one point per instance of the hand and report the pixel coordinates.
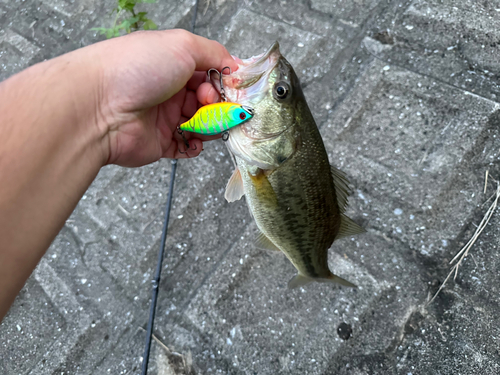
(118, 101)
(150, 83)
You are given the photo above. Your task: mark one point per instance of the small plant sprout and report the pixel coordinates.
(127, 19)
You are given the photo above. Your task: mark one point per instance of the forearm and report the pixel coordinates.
(50, 152)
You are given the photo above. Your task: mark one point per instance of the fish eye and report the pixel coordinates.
(281, 90)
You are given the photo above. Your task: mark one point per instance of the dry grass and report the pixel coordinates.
(206, 7)
(180, 363)
(462, 254)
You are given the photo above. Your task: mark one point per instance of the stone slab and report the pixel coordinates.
(409, 137)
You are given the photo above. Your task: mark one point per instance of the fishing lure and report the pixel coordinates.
(217, 118)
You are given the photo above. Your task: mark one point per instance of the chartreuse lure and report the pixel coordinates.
(217, 118)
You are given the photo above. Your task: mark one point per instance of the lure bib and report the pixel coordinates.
(217, 118)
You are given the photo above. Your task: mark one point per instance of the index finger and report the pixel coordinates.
(207, 53)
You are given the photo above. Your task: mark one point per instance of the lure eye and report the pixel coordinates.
(281, 90)
(243, 115)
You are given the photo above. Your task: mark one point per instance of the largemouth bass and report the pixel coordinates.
(296, 198)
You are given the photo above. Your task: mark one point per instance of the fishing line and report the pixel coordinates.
(156, 280)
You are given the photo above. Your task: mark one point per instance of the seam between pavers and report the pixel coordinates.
(285, 22)
(347, 53)
(210, 272)
(81, 325)
(465, 10)
(441, 82)
(112, 348)
(69, 350)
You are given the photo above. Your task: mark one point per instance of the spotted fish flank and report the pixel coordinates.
(297, 199)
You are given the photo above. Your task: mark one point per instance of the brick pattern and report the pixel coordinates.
(405, 94)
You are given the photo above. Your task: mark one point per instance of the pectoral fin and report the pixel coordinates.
(234, 188)
(263, 189)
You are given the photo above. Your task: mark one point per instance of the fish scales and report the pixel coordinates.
(283, 169)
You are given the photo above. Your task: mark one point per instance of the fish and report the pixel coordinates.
(297, 199)
(217, 118)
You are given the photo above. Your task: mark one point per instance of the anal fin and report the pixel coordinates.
(348, 228)
(264, 243)
(301, 280)
(338, 280)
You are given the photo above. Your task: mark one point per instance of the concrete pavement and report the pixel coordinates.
(406, 97)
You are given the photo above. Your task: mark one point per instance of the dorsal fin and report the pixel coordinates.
(348, 227)
(342, 190)
(234, 188)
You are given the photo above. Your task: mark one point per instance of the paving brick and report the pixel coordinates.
(248, 32)
(95, 309)
(25, 337)
(304, 15)
(260, 326)
(15, 52)
(353, 12)
(168, 14)
(130, 210)
(467, 343)
(462, 330)
(453, 42)
(410, 138)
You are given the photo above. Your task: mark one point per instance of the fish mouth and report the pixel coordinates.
(252, 69)
(249, 84)
(259, 59)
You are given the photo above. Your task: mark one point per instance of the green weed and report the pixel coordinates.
(127, 19)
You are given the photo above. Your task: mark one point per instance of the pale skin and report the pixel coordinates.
(115, 102)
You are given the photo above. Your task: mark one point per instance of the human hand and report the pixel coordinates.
(119, 101)
(149, 84)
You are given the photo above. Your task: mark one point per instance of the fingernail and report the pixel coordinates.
(215, 96)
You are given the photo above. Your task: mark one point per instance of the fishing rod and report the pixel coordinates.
(156, 280)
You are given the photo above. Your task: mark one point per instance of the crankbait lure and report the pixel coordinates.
(217, 118)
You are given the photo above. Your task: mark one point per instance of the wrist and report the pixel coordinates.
(86, 90)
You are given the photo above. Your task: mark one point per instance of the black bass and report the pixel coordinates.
(296, 198)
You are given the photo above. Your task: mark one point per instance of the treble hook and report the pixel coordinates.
(186, 142)
(225, 136)
(222, 91)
